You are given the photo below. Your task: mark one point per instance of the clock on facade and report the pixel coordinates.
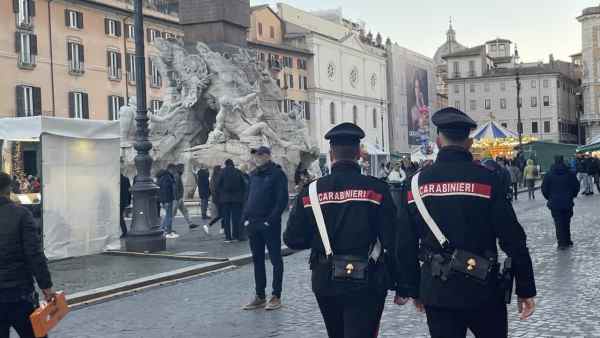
(331, 71)
(354, 77)
(373, 80)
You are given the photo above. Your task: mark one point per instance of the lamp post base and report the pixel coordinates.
(145, 234)
(150, 242)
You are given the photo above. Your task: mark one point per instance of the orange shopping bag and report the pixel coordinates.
(47, 316)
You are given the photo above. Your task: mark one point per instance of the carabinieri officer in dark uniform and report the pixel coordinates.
(357, 211)
(458, 284)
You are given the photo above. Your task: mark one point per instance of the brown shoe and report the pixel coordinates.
(273, 304)
(257, 303)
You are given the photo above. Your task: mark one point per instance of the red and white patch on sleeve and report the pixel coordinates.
(442, 189)
(345, 196)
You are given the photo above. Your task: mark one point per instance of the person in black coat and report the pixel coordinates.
(125, 201)
(468, 202)
(560, 187)
(267, 200)
(166, 183)
(22, 261)
(232, 186)
(202, 180)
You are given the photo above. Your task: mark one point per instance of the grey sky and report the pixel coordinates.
(539, 27)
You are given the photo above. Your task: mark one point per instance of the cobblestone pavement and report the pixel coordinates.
(568, 284)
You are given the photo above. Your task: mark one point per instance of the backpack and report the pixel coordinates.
(536, 171)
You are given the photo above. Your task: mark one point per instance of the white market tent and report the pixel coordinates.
(80, 181)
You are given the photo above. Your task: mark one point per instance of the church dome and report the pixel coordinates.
(450, 46)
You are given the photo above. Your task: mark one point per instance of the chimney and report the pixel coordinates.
(551, 58)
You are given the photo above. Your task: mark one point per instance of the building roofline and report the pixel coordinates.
(280, 47)
(126, 8)
(498, 40)
(259, 7)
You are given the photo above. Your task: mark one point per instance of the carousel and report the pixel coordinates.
(492, 140)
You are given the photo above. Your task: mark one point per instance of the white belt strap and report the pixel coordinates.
(316, 208)
(435, 229)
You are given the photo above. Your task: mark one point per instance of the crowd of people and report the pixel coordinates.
(22, 184)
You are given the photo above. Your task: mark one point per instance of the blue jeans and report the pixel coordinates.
(167, 222)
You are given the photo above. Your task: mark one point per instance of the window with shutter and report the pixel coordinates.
(37, 101)
(72, 105)
(24, 10)
(75, 55)
(26, 47)
(130, 31)
(112, 27)
(113, 62)
(131, 69)
(20, 100)
(78, 105)
(73, 19)
(25, 101)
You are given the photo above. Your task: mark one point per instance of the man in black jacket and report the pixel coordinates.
(358, 210)
(166, 183)
(560, 187)
(267, 200)
(22, 260)
(469, 205)
(202, 180)
(232, 187)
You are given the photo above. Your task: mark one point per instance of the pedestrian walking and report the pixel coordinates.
(397, 175)
(596, 172)
(560, 187)
(22, 261)
(125, 201)
(179, 192)
(202, 181)
(582, 175)
(354, 215)
(267, 200)
(590, 170)
(451, 216)
(166, 183)
(515, 178)
(232, 188)
(215, 206)
(531, 174)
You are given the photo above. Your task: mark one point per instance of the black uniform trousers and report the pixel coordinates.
(352, 316)
(562, 222)
(16, 315)
(485, 322)
(231, 213)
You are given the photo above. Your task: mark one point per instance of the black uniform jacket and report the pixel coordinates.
(466, 201)
(367, 212)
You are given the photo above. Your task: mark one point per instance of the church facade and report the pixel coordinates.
(347, 76)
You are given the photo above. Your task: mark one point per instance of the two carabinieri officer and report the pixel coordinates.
(348, 221)
(450, 218)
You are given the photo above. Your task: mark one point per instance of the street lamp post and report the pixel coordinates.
(145, 234)
(519, 123)
(382, 131)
